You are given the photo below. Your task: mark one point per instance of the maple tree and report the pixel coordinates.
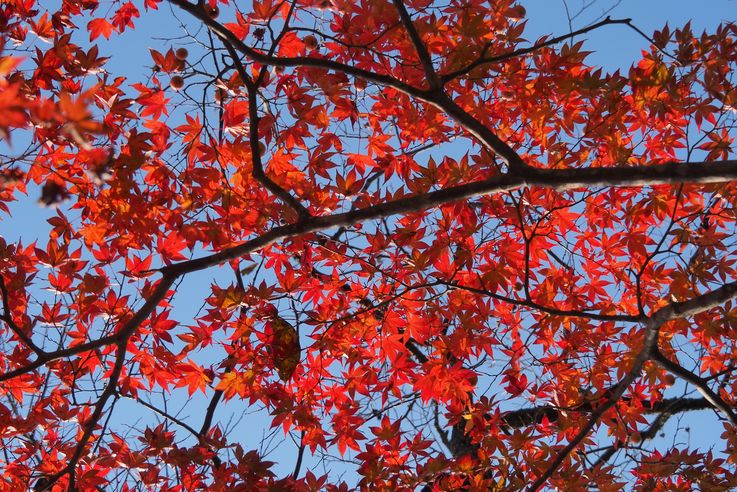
(457, 258)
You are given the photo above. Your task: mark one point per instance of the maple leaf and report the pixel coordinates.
(8, 64)
(100, 27)
(123, 17)
(153, 101)
(13, 112)
(43, 27)
(194, 378)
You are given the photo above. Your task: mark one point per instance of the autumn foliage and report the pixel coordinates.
(438, 254)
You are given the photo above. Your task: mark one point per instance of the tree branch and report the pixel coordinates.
(669, 173)
(484, 60)
(123, 334)
(224, 33)
(420, 47)
(558, 179)
(535, 415)
(650, 433)
(652, 328)
(88, 428)
(8, 318)
(571, 313)
(700, 383)
(257, 165)
(121, 339)
(434, 97)
(670, 312)
(300, 455)
(704, 302)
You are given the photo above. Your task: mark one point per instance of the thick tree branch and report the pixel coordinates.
(650, 433)
(434, 97)
(212, 406)
(88, 427)
(460, 444)
(704, 302)
(258, 167)
(200, 436)
(488, 138)
(535, 415)
(128, 330)
(700, 383)
(652, 328)
(649, 351)
(260, 175)
(673, 172)
(265, 59)
(701, 172)
(300, 456)
(123, 334)
(562, 179)
(47, 357)
(121, 339)
(420, 47)
(647, 175)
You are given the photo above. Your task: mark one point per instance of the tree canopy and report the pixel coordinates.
(438, 254)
